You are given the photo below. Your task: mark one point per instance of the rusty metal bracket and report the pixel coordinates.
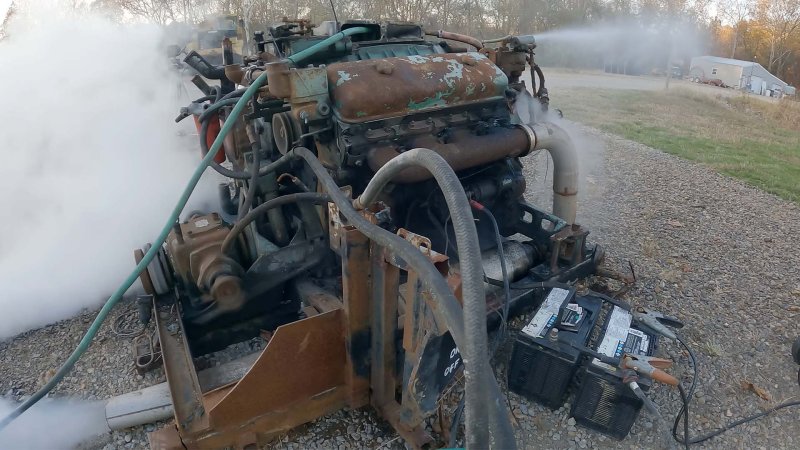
(179, 368)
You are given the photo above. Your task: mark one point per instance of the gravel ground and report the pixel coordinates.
(716, 253)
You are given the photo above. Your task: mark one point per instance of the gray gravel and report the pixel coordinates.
(709, 249)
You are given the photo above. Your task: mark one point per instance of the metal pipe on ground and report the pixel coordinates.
(154, 403)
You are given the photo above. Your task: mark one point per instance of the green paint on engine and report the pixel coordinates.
(436, 101)
(343, 76)
(455, 72)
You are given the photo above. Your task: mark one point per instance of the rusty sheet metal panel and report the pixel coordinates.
(392, 87)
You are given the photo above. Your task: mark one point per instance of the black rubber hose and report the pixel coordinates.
(481, 386)
(205, 98)
(313, 197)
(234, 94)
(236, 174)
(437, 285)
(217, 93)
(503, 268)
(251, 190)
(540, 74)
(216, 106)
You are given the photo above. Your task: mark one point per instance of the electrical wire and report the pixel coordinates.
(335, 19)
(503, 267)
(127, 324)
(683, 413)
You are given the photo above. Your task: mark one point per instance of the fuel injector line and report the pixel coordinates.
(148, 257)
(481, 387)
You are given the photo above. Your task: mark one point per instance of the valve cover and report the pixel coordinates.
(394, 87)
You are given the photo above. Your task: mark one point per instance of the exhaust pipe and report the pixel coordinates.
(467, 150)
(555, 140)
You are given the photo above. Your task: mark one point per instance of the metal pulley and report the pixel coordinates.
(155, 278)
(284, 131)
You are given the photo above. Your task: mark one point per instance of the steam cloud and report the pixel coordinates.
(92, 161)
(53, 424)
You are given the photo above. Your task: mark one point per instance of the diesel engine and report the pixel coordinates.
(337, 109)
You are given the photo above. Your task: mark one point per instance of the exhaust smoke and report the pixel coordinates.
(53, 424)
(92, 160)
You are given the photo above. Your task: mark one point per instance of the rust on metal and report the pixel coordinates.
(365, 90)
(356, 298)
(195, 249)
(184, 386)
(314, 350)
(385, 286)
(463, 150)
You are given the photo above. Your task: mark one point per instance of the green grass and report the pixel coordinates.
(754, 141)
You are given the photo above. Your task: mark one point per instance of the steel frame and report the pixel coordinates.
(342, 355)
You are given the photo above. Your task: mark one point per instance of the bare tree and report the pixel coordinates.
(781, 18)
(735, 12)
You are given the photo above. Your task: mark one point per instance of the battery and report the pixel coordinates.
(543, 361)
(603, 402)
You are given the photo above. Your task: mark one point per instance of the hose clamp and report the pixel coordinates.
(531, 138)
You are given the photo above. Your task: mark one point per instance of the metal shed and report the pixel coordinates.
(736, 73)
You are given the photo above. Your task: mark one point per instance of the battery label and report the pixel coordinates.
(620, 338)
(547, 314)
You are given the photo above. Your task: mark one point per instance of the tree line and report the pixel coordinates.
(764, 31)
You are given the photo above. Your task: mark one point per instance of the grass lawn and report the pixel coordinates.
(749, 139)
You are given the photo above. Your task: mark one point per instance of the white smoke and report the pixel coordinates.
(53, 424)
(92, 161)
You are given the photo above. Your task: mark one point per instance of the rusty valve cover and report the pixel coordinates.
(394, 87)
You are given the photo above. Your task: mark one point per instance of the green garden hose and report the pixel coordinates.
(151, 253)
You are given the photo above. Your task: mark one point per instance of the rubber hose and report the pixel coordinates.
(503, 267)
(432, 279)
(216, 106)
(298, 57)
(251, 190)
(234, 94)
(222, 170)
(148, 257)
(477, 348)
(314, 197)
(205, 98)
(539, 74)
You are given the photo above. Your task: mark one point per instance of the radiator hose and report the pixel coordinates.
(481, 387)
(148, 257)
